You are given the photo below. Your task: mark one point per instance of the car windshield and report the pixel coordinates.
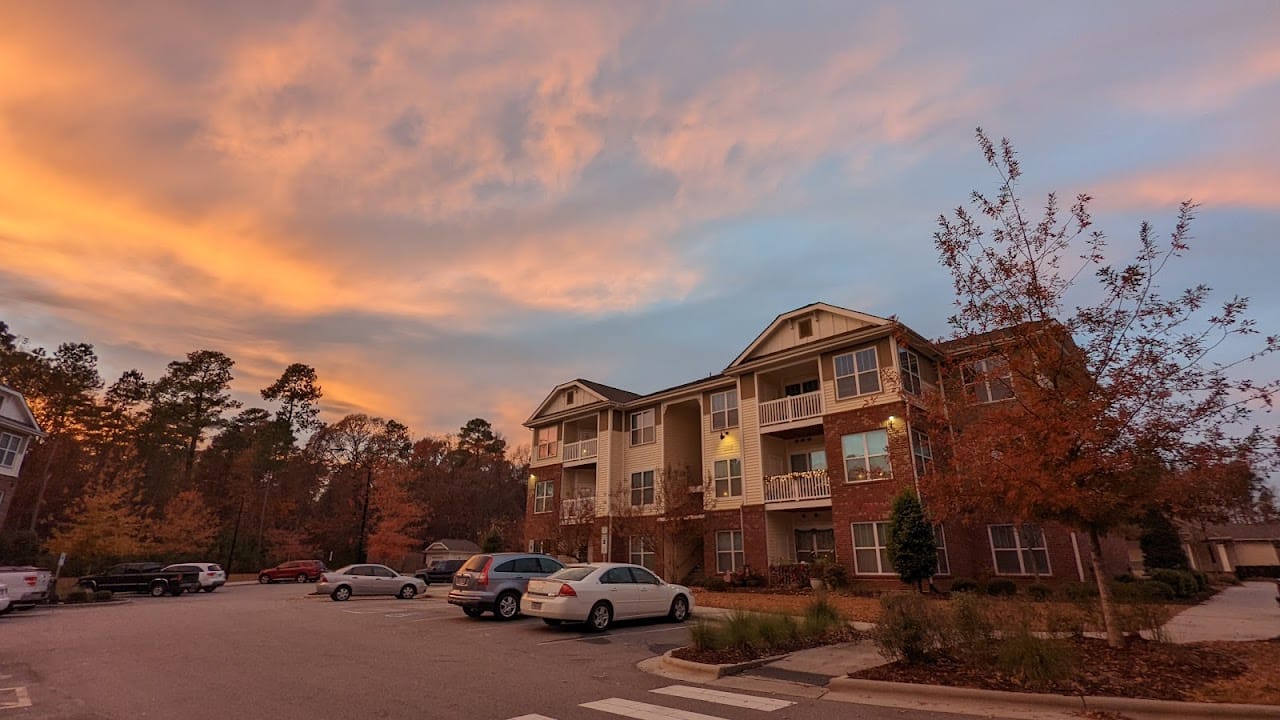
(571, 573)
(476, 562)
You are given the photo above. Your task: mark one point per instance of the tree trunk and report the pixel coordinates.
(45, 474)
(364, 517)
(1114, 638)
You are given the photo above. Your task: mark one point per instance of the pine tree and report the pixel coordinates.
(912, 548)
(1161, 545)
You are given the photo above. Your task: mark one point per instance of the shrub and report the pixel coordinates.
(1039, 592)
(973, 632)
(776, 630)
(1002, 586)
(820, 616)
(963, 585)
(1035, 660)
(1153, 591)
(704, 635)
(717, 584)
(1202, 580)
(740, 630)
(101, 595)
(909, 629)
(79, 595)
(1147, 617)
(835, 576)
(1125, 578)
(1080, 591)
(1183, 582)
(1060, 619)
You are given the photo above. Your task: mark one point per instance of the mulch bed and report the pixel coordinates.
(1159, 671)
(729, 656)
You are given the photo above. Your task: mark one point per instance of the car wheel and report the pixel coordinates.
(342, 592)
(178, 591)
(91, 586)
(264, 579)
(553, 622)
(472, 612)
(679, 609)
(600, 617)
(508, 605)
(209, 588)
(158, 589)
(407, 592)
(301, 578)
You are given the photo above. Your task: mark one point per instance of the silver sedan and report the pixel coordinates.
(366, 579)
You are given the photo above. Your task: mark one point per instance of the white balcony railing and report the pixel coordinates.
(808, 485)
(788, 409)
(580, 450)
(577, 510)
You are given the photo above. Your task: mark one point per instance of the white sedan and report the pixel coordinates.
(4, 600)
(599, 593)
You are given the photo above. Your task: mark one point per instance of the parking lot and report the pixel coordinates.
(275, 651)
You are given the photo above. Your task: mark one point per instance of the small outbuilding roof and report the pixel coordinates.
(452, 545)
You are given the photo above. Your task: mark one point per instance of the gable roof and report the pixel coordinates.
(603, 393)
(26, 421)
(784, 317)
(612, 394)
(453, 545)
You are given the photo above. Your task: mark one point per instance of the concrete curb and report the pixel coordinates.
(1028, 705)
(713, 672)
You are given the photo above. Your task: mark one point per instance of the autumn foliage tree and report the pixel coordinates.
(187, 528)
(105, 525)
(1089, 393)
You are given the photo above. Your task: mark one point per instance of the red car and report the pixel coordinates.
(293, 571)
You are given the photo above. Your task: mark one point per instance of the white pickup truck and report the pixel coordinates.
(28, 586)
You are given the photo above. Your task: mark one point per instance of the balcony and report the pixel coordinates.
(790, 409)
(792, 487)
(581, 450)
(577, 510)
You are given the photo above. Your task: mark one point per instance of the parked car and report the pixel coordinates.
(28, 586)
(293, 571)
(145, 577)
(211, 575)
(495, 582)
(5, 605)
(599, 593)
(366, 579)
(438, 571)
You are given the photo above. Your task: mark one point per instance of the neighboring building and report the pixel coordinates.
(449, 549)
(793, 453)
(18, 428)
(1248, 549)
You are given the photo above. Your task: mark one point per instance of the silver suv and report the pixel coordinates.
(495, 581)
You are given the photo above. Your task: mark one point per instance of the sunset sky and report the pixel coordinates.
(449, 208)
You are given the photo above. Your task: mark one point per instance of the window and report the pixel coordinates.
(547, 564)
(729, 554)
(724, 409)
(988, 380)
(543, 491)
(568, 397)
(642, 429)
(526, 565)
(506, 567)
(9, 445)
(812, 460)
(909, 364)
(640, 551)
(548, 441)
(804, 328)
(539, 546)
(812, 545)
(921, 451)
(940, 541)
(866, 456)
(642, 488)
(1019, 550)
(871, 548)
(857, 373)
(800, 388)
(728, 476)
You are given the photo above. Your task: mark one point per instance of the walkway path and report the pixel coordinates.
(1245, 612)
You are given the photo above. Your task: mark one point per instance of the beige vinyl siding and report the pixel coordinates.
(582, 398)
(617, 460)
(825, 325)
(743, 442)
(779, 538)
(640, 457)
(888, 365)
(1255, 553)
(606, 448)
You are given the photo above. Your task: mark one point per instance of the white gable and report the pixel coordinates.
(809, 324)
(568, 396)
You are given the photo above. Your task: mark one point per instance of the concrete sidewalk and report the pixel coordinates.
(1245, 612)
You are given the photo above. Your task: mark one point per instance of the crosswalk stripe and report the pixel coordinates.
(534, 716)
(644, 711)
(753, 702)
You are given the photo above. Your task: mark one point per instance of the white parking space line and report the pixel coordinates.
(612, 633)
(20, 698)
(753, 702)
(535, 716)
(644, 711)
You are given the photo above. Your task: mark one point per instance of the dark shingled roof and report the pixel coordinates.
(1242, 531)
(611, 394)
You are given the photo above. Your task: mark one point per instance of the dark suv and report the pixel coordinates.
(439, 571)
(293, 571)
(495, 582)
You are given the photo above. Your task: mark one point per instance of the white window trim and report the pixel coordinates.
(907, 358)
(731, 552)
(11, 446)
(636, 557)
(724, 424)
(866, 457)
(728, 477)
(853, 356)
(631, 487)
(546, 499)
(552, 447)
(925, 457)
(1017, 542)
(981, 378)
(652, 426)
(539, 546)
(853, 536)
(940, 542)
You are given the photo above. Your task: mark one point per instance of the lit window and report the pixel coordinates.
(729, 554)
(724, 409)
(857, 373)
(988, 380)
(543, 491)
(642, 490)
(642, 428)
(641, 552)
(909, 363)
(1019, 550)
(921, 451)
(871, 548)
(548, 441)
(866, 456)
(728, 476)
(540, 546)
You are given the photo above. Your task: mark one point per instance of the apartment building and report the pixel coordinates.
(18, 429)
(792, 453)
